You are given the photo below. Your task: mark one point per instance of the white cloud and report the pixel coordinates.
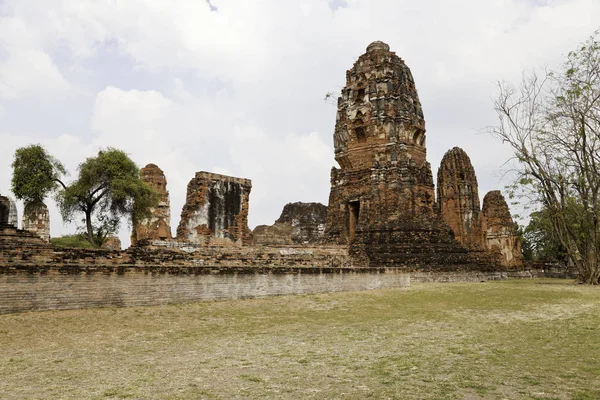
(26, 69)
(30, 73)
(283, 169)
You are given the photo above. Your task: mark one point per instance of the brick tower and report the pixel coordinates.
(382, 197)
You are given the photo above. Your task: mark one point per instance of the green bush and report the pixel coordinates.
(71, 241)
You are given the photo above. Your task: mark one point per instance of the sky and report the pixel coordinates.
(238, 86)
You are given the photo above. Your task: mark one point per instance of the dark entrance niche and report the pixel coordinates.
(360, 97)
(360, 135)
(353, 211)
(4, 210)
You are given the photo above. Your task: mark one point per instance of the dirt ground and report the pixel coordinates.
(529, 339)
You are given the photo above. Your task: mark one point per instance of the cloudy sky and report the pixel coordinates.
(237, 86)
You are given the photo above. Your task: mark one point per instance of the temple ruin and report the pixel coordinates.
(382, 197)
(38, 223)
(501, 234)
(299, 223)
(158, 225)
(458, 198)
(383, 221)
(215, 210)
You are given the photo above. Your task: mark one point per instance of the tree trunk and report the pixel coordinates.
(90, 229)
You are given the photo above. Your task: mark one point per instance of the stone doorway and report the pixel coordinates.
(353, 212)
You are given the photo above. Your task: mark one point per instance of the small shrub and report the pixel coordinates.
(71, 241)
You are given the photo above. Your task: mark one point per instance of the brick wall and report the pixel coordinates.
(54, 288)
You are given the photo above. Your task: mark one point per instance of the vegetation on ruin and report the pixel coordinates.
(107, 189)
(75, 241)
(36, 174)
(534, 339)
(552, 123)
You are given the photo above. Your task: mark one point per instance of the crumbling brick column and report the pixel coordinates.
(458, 198)
(39, 223)
(216, 210)
(500, 231)
(158, 225)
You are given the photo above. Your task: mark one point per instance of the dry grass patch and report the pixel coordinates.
(494, 340)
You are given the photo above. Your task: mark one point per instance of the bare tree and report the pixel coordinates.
(552, 123)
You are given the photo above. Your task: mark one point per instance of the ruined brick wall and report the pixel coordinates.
(4, 210)
(34, 276)
(158, 225)
(381, 201)
(500, 231)
(112, 243)
(13, 213)
(299, 223)
(276, 234)
(23, 247)
(216, 207)
(458, 198)
(39, 223)
(54, 289)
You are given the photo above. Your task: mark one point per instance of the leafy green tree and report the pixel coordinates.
(552, 124)
(108, 188)
(541, 242)
(35, 175)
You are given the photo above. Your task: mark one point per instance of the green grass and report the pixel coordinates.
(535, 339)
(76, 241)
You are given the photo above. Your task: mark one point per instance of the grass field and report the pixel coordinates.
(535, 339)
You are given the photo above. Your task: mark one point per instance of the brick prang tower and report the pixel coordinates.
(382, 197)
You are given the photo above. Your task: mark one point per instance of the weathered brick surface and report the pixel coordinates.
(13, 213)
(32, 288)
(4, 210)
(158, 225)
(382, 197)
(307, 221)
(299, 223)
(39, 223)
(216, 210)
(500, 231)
(458, 198)
(112, 243)
(22, 247)
(276, 234)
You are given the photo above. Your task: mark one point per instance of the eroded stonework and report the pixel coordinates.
(273, 235)
(4, 210)
(501, 234)
(299, 223)
(39, 223)
(215, 210)
(112, 243)
(307, 221)
(458, 198)
(13, 213)
(382, 197)
(158, 226)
